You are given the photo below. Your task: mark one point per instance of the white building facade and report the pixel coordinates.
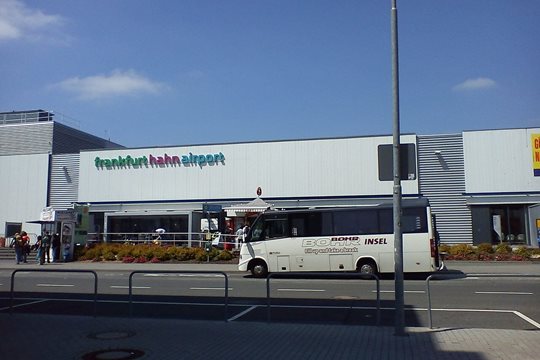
(474, 202)
(484, 186)
(39, 160)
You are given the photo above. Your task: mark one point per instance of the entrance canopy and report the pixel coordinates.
(40, 222)
(257, 205)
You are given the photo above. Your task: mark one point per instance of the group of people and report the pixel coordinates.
(44, 244)
(21, 243)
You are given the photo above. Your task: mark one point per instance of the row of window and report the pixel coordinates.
(337, 222)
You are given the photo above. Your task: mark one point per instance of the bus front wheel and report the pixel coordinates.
(366, 267)
(259, 269)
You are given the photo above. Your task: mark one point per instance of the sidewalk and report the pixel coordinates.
(495, 267)
(37, 336)
(27, 336)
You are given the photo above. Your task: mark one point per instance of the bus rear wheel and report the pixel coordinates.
(259, 269)
(366, 267)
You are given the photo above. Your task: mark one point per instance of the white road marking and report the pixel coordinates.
(25, 304)
(527, 319)
(517, 313)
(127, 287)
(243, 313)
(503, 293)
(209, 288)
(302, 290)
(495, 274)
(407, 291)
(55, 285)
(183, 275)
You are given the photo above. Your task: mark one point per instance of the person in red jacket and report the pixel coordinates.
(25, 239)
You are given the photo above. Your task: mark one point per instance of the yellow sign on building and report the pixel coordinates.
(535, 142)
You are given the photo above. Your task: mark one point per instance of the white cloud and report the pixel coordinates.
(118, 83)
(475, 84)
(19, 21)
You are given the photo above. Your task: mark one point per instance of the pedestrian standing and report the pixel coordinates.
(39, 249)
(245, 230)
(46, 244)
(56, 247)
(18, 245)
(239, 236)
(25, 245)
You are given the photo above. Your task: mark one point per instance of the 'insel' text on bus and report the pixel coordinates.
(344, 241)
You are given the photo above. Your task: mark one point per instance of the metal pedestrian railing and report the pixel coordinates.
(313, 275)
(226, 295)
(180, 239)
(463, 276)
(53, 271)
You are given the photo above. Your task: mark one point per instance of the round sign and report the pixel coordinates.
(259, 191)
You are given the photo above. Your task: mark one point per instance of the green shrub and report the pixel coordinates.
(523, 251)
(109, 256)
(151, 251)
(91, 253)
(461, 249)
(503, 248)
(162, 254)
(185, 254)
(139, 250)
(224, 255)
(485, 248)
(444, 248)
(125, 251)
(203, 255)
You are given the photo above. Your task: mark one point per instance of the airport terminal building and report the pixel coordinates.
(483, 186)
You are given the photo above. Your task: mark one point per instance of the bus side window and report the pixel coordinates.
(386, 221)
(298, 227)
(414, 220)
(277, 228)
(359, 222)
(311, 224)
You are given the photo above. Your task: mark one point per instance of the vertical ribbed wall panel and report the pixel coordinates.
(442, 181)
(64, 181)
(23, 139)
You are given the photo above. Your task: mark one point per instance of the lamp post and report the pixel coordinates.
(399, 327)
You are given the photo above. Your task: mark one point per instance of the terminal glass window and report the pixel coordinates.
(508, 224)
(137, 226)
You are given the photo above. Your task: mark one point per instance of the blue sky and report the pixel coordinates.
(179, 72)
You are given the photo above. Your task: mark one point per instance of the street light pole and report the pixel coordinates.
(399, 327)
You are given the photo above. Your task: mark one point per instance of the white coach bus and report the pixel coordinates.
(340, 239)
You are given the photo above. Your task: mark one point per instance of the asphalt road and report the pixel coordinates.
(486, 298)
